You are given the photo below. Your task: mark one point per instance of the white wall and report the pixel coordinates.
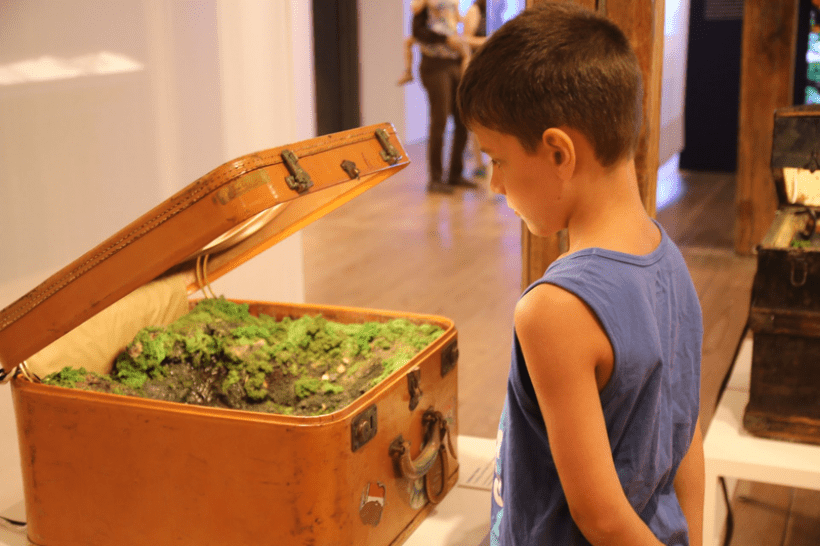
(84, 152)
(381, 62)
(673, 90)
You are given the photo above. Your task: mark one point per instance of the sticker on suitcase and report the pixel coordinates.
(372, 504)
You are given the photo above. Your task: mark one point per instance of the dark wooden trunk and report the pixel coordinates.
(784, 316)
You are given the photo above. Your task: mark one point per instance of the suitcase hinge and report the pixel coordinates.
(21, 369)
(363, 427)
(300, 180)
(390, 155)
(414, 386)
(449, 358)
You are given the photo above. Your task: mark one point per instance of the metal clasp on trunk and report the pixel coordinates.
(449, 358)
(414, 386)
(799, 261)
(363, 427)
(390, 155)
(350, 168)
(300, 180)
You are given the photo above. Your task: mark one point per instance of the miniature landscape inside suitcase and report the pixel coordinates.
(148, 414)
(784, 317)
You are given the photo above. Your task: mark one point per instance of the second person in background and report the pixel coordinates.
(442, 55)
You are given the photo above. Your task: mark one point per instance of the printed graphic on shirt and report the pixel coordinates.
(497, 513)
(443, 16)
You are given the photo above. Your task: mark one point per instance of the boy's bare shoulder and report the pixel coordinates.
(559, 326)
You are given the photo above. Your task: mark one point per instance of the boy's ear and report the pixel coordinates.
(560, 150)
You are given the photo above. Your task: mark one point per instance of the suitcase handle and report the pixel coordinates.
(435, 448)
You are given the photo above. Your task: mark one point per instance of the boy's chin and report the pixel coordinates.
(542, 231)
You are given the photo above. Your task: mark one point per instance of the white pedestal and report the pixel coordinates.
(732, 453)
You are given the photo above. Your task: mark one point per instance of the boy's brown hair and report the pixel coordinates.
(554, 65)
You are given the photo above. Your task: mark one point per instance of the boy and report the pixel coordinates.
(599, 440)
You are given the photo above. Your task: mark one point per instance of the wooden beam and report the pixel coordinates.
(766, 83)
(642, 22)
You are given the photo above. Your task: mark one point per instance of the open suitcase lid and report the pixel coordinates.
(212, 226)
(795, 160)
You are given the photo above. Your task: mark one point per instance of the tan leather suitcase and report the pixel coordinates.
(116, 470)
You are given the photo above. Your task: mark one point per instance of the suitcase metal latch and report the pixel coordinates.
(414, 386)
(363, 427)
(350, 168)
(449, 358)
(300, 180)
(390, 155)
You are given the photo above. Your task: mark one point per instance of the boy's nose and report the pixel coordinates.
(495, 184)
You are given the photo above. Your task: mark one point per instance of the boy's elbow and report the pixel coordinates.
(606, 524)
(599, 524)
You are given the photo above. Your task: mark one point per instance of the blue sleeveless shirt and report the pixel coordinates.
(650, 311)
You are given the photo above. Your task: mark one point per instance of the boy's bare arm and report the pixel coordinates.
(564, 346)
(689, 487)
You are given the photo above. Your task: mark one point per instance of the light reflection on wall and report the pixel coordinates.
(49, 68)
(670, 186)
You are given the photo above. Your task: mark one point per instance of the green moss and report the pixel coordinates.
(306, 386)
(230, 380)
(329, 388)
(144, 356)
(216, 308)
(219, 354)
(393, 363)
(199, 345)
(67, 377)
(250, 333)
(255, 387)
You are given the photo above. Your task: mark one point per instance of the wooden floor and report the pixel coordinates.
(397, 247)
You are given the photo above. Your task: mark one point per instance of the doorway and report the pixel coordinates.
(336, 65)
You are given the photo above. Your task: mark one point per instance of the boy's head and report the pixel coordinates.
(557, 65)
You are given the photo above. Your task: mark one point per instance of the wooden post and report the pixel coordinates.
(766, 83)
(642, 22)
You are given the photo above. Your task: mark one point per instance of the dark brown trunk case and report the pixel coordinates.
(105, 469)
(784, 317)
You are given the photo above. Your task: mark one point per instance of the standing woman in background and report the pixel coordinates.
(442, 56)
(475, 34)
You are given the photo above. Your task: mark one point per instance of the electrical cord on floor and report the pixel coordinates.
(730, 520)
(12, 525)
